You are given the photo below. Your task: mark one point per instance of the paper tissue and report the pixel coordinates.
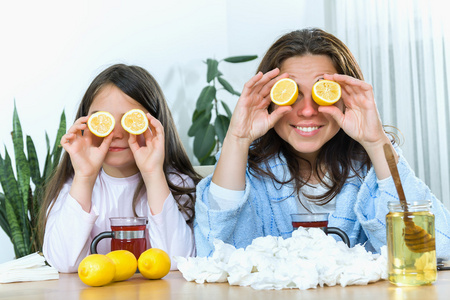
(308, 259)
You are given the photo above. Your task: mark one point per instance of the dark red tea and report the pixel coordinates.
(310, 224)
(131, 238)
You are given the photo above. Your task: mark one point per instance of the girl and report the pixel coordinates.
(121, 175)
(276, 161)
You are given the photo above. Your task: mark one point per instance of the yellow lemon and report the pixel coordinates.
(284, 92)
(135, 121)
(101, 123)
(154, 263)
(326, 92)
(125, 262)
(96, 270)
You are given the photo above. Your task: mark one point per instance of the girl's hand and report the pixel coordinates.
(149, 154)
(86, 157)
(251, 118)
(360, 119)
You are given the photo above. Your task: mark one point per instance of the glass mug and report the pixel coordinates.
(126, 233)
(407, 267)
(318, 220)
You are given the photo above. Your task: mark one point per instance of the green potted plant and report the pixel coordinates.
(209, 122)
(23, 191)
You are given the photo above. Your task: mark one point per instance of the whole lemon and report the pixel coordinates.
(125, 262)
(96, 270)
(154, 263)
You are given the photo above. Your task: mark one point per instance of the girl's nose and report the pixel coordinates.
(118, 131)
(307, 107)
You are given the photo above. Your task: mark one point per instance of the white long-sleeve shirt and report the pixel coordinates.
(70, 230)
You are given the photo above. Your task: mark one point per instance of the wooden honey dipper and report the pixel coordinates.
(416, 238)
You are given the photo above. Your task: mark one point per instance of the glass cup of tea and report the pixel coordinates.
(318, 220)
(127, 233)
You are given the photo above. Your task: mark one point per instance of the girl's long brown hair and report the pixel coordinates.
(137, 83)
(338, 156)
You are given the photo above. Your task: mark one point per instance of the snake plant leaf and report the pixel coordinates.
(33, 162)
(8, 181)
(221, 125)
(206, 97)
(204, 141)
(240, 59)
(48, 160)
(227, 86)
(3, 218)
(57, 148)
(203, 119)
(227, 109)
(16, 231)
(212, 71)
(23, 174)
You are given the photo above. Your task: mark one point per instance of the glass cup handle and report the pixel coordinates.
(103, 235)
(340, 233)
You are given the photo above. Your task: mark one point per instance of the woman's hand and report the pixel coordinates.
(251, 118)
(86, 157)
(360, 119)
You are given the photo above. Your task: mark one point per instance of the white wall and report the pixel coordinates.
(51, 50)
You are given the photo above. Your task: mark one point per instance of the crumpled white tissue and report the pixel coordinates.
(28, 268)
(308, 259)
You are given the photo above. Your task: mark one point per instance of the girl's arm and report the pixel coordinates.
(67, 233)
(149, 156)
(250, 121)
(168, 229)
(86, 158)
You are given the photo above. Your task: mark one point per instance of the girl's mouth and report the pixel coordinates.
(116, 149)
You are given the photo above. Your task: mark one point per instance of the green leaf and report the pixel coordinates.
(240, 59)
(227, 86)
(8, 181)
(33, 162)
(204, 141)
(221, 125)
(48, 161)
(206, 97)
(227, 109)
(202, 121)
(57, 148)
(23, 176)
(16, 231)
(212, 71)
(3, 218)
(210, 160)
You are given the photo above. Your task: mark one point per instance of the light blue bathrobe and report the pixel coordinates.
(265, 209)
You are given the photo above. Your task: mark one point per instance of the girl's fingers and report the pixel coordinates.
(104, 146)
(157, 130)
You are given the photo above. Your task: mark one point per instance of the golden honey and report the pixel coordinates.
(405, 267)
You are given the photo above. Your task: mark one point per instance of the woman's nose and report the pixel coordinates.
(307, 107)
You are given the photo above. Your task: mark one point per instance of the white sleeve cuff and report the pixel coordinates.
(223, 199)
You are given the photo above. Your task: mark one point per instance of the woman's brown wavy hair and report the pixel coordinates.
(140, 85)
(338, 156)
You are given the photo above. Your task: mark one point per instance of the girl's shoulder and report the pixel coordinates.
(179, 179)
